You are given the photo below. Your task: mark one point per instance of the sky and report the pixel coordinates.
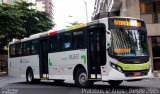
(67, 11)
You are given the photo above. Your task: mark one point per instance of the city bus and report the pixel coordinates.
(112, 49)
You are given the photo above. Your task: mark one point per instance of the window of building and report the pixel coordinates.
(156, 52)
(146, 6)
(150, 11)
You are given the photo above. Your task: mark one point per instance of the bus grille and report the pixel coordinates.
(132, 73)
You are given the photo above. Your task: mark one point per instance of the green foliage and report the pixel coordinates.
(20, 20)
(73, 23)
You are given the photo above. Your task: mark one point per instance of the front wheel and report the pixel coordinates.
(81, 79)
(115, 82)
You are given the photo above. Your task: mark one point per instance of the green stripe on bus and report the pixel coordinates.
(49, 62)
(84, 59)
(134, 67)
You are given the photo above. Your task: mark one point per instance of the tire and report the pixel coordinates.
(81, 79)
(115, 82)
(58, 81)
(29, 76)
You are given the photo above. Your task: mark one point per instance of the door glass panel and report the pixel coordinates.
(97, 50)
(44, 56)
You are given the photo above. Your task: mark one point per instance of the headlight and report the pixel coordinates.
(116, 67)
(113, 65)
(119, 68)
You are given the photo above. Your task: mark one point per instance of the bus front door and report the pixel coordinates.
(96, 51)
(43, 58)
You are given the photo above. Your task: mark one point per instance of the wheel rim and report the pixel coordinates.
(30, 77)
(82, 78)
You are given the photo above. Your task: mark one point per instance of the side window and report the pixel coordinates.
(66, 41)
(54, 43)
(26, 48)
(34, 47)
(78, 39)
(18, 49)
(12, 51)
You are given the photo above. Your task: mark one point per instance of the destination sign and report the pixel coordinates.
(127, 22)
(122, 50)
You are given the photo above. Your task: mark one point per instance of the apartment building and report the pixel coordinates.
(45, 5)
(41, 5)
(148, 10)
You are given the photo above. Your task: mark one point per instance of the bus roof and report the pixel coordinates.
(125, 17)
(69, 28)
(48, 33)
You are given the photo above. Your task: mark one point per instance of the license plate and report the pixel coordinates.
(137, 73)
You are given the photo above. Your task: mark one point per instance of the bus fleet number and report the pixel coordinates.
(74, 56)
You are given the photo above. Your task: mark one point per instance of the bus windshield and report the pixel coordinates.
(128, 42)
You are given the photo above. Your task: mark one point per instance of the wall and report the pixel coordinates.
(132, 7)
(153, 29)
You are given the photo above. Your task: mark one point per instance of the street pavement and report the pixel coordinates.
(14, 85)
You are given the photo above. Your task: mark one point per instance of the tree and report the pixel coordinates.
(19, 21)
(33, 21)
(73, 23)
(10, 24)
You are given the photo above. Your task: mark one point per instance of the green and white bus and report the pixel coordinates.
(112, 49)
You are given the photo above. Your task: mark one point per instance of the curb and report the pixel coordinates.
(154, 78)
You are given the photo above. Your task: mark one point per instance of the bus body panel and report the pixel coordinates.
(62, 64)
(14, 66)
(105, 70)
(33, 62)
(18, 65)
(116, 75)
(109, 73)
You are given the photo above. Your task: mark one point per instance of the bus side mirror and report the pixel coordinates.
(108, 39)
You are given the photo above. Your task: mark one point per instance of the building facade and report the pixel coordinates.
(45, 5)
(10, 1)
(41, 5)
(147, 10)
